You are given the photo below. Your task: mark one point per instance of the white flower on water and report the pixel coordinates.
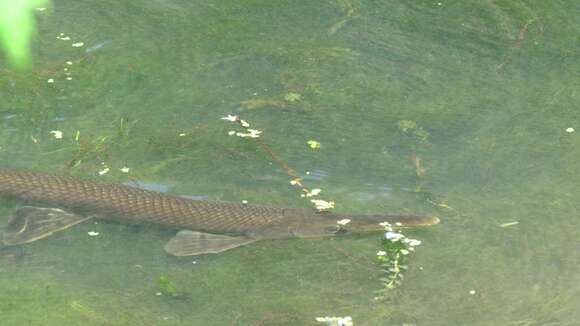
(295, 181)
(244, 123)
(345, 321)
(381, 253)
(313, 144)
(125, 169)
(336, 321)
(343, 222)
(93, 233)
(394, 236)
(384, 224)
(404, 251)
(252, 133)
(322, 205)
(56, 133)
(312, 193)
(104, 171)
(232, 118)
(412, 242)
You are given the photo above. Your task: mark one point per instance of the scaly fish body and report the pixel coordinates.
(133, 205)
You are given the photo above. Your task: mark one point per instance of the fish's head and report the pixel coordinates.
(306, 225)
(376, 222)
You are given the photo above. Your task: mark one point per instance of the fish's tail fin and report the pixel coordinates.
(29, 224)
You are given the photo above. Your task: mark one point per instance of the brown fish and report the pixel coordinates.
(210, 226)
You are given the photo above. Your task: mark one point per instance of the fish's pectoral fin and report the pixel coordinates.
(29, 224)
(191, 243)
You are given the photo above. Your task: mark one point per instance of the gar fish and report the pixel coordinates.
(209, 226)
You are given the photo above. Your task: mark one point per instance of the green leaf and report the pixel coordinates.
(17, 26)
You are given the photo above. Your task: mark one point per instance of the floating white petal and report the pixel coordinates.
(231, 118)
(56, 133)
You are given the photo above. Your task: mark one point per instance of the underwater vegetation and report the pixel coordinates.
(17, 26)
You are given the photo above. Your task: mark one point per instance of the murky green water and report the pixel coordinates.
(488, 90)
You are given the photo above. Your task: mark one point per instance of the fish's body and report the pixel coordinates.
(132, 205)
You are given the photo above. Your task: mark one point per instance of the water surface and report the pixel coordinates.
(453, 108)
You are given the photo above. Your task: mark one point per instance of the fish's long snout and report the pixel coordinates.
(369, 223)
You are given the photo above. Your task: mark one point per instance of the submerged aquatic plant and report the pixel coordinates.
(17, 26)
(396, 248)
(167, 286)
(319, 204)
(412, 129)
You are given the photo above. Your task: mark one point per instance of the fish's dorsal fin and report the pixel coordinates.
(29, 224)
(192, 243)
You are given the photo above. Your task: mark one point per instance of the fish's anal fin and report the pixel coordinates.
(192, 243)
(29, 224)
